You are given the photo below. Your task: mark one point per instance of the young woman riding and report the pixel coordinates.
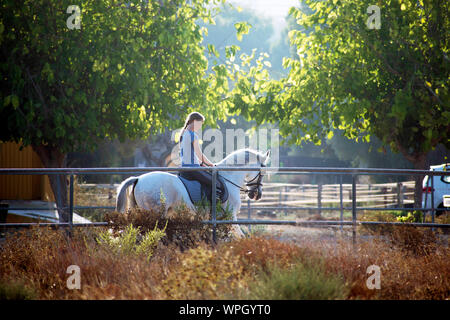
(190, 151)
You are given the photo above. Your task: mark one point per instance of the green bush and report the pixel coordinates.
(299, 282)
(130, 241)
(150, 241)
(415, 216)
(16, 291)
(385, 216)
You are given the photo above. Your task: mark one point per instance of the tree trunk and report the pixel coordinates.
(419, 160)
(420, 163)
(51, 157)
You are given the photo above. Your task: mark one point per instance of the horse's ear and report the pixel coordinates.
(267, 157)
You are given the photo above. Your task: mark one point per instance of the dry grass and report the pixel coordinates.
(411, 266)
(186, 265)
(40, 258)
(182, 229)
(205, 273)
(258, 253)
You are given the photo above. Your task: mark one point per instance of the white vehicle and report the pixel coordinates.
(441, 188)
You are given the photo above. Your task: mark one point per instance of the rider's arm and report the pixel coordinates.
(200, 154)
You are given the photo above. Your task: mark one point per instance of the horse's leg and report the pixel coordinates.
(236, 228)
(234, 201)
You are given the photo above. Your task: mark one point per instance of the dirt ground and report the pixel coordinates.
(299, 234)
(326, 235)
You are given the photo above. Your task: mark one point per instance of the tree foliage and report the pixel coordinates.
(128, 71)
(132, 68)
(390, 82)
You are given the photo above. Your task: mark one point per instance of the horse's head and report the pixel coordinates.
(249, 158)
(254, 178)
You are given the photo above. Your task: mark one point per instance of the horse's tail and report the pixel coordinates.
(122, 194)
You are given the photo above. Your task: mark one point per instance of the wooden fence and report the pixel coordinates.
(319, 197)
(281, 196)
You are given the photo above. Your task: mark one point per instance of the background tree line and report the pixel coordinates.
(136, 68)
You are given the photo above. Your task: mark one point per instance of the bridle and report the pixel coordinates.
(258, 179)
(258, 182)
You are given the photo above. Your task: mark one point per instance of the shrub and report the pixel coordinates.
(39, 257)
(301, 281)
(259, 252)
(387, 216)
(128, 240)
(415, 216)
(412, 265)
(204, 273)
(33, 264)
(150, 241)
(16, 290)
(413, 240)
(182, 228)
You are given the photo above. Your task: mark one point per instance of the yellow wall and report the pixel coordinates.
(23, 187)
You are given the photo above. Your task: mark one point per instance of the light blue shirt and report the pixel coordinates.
(187, 153)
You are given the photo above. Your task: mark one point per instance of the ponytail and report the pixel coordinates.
(182, 131)
(190, 118)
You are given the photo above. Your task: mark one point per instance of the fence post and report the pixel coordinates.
(426, 198)
(354, 208)
(341, 196)
(384, 190)
(71, 202)
(319, 197)
(249, 214)
(213, 200)
(432, 199)
(58, 197)
(400, 195)
(3, 217)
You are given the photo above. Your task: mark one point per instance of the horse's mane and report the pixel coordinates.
(242, 157)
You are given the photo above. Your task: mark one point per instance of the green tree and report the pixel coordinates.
(223, 35)
(390, 82)
(129, 70)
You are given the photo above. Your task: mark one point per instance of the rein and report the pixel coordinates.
(258, 183)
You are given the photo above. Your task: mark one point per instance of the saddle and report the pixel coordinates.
(198, 191)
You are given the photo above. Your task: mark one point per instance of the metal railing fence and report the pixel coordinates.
(354, 172)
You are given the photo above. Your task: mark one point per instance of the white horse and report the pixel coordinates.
(150, 188)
